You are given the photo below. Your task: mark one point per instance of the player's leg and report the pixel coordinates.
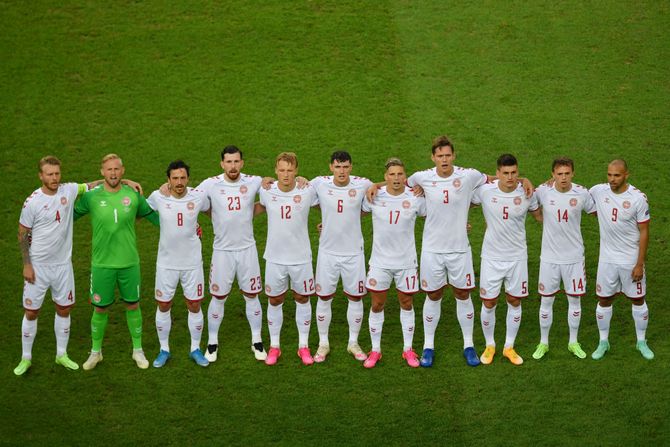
(353, 284)
(276, 286)
(221, 277)
(516, 288)
(249, 281)
(462, 278)
(302, 285)
(63, 294)
(607, 286)
(33, 297)
(549, 282)
(491, 282)
(407, 284)
(166, 284)
(574, 282)
(103, 283)
(636, 292)
(378, 282)
(328, 271)
(433, 280)
(192, 282)
(129, 280)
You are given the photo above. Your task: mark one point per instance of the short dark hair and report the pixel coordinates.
(177, 164)
(507, 160)
(340, 156)
(563, 161)
(442, 141)
(232, 149)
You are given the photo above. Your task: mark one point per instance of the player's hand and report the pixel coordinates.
(468, 227)
(164, 189)
(267, 182)
(528, 187)
(371, 193)
(638, 272)
(29, 273)
(319, 227)
(418, 191)
(302, 182)
(136, 186)
(198, 231)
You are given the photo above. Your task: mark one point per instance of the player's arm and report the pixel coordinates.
(537, 214)
(83, 187)
(527, 184)
(25, 234)
(81, 207)
(258, 209)
(371, 193)
(145, 211)
(638, 270)
(136, 186)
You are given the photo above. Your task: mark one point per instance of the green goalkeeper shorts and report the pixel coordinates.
(104, 281)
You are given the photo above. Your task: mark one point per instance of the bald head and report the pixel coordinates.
(619, 163)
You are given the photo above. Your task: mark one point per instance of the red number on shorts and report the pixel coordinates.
(446, 196)
(361, 287)
(180, 220)
(70, 296)
(524, 287)
(407, 282)
(397, 215)
(578, 285)
(639, 288)
(340, 205)
(615, 214)
(468, 280)
(562, 216)
(505, 211)
(255, 283)
(234, 204)
(311, 285)
(199, 289)
(57, 216)
(286, 211)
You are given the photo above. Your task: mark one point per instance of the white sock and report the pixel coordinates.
(488, 318)
(512, 324)
(275, 321)
(376, 323)
(546, 317)
(324, 314)
(355, 319)
(603, 318)
(465, 311)
(255, 317)
(215, 313)
(195, 323)
(163, 326)
(641, 318)
(574, 317)
(28, 331)
(303, 319)
(431, 316)
(407, 324)
(62, 331)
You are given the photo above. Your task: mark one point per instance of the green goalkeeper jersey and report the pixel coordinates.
(113, 217)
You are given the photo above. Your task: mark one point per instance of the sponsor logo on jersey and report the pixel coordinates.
(457, 183)
(159, 293)
(330, 192)
(168, 206)
(215, 287)
(552, 202)
(297, 198)
(372, 282)
(63, 200)
(517, 201)
(274, 198)
(607, 200)
(126, 201)
(352, 193)
(190, 206)
(406, 204)
(494, 200)
(626, 204)
(45, 207)
(434, 183)
(573, 202)
(243, 189)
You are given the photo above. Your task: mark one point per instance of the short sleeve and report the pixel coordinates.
(589, 204)
(477, 178)
(27, 217)
(262, 197)
(534, 204)
(365, 206)
(477, 196)
(153, 200)
(315, 197)
(421, 206)
(414, 179)
(643, 210)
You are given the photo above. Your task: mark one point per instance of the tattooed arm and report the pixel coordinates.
(24, 243)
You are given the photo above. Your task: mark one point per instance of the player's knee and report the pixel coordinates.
(193, 306)
(512, 301)
(490, 304)
(436, 295)
(461, 294)
(63, 311)
(32, 314)
(163, 306)
(637, 301)
(302, 299)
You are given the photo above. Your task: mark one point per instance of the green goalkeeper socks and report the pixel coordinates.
(98, 326)
(134, 319)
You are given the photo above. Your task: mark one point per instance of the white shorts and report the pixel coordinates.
(277, 278)
(572, 275)
(227, 264)
(406, 280)
(440, 269)
(60, 278)
(615, 278)
(513, 273)
(167, 280)
(329, 269)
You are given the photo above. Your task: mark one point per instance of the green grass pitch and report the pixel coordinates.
(155, 81)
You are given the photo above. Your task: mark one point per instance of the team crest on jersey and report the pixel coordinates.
(159, 293)
(598, 288)
(63, 200)
(268, 289)
(573, 202)
(243, 189)
(126, 201)
(29, 302)
(190, 206)
(626, 204)
(297, 199)
(424, 283)
(406, 204)
(457, 183)
(541, 287)
(482, 291)
(372, 282)
(214, 287)
(352, 193)
(96, 298)
(318, 288)
(517, 201)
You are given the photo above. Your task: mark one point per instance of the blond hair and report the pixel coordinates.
(394, 161)
(288, 157)
(108, 157)
(48, 160)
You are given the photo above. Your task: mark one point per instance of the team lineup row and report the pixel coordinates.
(443, 195)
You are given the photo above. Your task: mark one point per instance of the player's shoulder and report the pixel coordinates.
(489, 187)
(360, 182)
(599, 188)
(635, 192)
(33, 198)
(250, 178)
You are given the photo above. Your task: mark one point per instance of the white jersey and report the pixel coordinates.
(179, 246)
(618, 217)
(232, 205)
(288, 237)
(505, 214)
(447, 205)
(50, 219)
(393, 219)
(341, 209)
(562, 241)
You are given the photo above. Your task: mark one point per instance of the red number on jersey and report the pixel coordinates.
(524, 287)
(361, 287)
(308, 286)
(468, 280)
(180, 220)
(505, 211)
(446, 196)
(57, 216)
(234, 204)
(562, 216)
(412, 282)
(70, 296)
(578, 286)
(615, 214)
(286, 211)
(639, 287)
(340, 205)
(397, 215)
(255, 283)
(199, 292)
